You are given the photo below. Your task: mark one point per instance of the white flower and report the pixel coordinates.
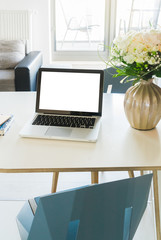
(129, 59)
(138, 46)
(139, 53)
(152, 61)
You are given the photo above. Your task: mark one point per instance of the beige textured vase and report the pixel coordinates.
(142, 105)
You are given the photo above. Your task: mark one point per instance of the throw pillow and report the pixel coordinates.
(11, 53)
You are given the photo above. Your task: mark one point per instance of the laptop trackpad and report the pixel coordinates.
(53, 131)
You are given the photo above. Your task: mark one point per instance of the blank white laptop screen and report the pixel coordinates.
(69, 91)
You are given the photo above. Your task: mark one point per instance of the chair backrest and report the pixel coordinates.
(112, 84)
(102, 211)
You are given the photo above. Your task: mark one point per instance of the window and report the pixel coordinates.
(137, 15)
(81, 28)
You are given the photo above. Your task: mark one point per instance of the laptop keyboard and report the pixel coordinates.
(64, 121)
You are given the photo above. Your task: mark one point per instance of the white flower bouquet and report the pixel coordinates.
(138, 54)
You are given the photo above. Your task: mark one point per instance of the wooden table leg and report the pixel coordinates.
(156, 202)
(54, 181)
(131, 174)
(141, 172)
(94, 177)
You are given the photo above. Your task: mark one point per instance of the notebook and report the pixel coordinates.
(68, 105)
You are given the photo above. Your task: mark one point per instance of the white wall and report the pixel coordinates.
(41, 22)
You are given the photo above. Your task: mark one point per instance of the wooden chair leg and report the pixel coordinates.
(131, 174)
(94, 177)
(54, 181)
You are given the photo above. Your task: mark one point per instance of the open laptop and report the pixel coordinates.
(68, 105)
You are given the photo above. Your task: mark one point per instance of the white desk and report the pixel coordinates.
(119, 147)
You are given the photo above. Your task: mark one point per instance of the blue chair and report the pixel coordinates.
(102, 211)
(112, 84)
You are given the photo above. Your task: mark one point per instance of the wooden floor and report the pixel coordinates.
(16, 188)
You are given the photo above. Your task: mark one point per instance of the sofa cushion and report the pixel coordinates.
(7, 80)
(11, 53)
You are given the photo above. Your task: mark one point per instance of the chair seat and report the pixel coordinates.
(7, 82)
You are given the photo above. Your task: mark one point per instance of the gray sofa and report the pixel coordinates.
(18, 70)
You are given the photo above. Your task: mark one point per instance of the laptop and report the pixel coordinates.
(68, 105)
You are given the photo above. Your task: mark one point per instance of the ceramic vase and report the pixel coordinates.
(142, 105)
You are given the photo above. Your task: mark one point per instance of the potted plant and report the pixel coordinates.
(139, 55)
